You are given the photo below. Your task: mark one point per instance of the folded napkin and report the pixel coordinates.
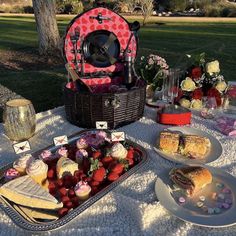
(226, 125)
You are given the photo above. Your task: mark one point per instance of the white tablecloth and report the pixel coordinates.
(132, 208)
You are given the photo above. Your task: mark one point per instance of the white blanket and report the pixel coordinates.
(131, 208)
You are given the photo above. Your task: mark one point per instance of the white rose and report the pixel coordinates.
(196, 104)
(184, 102)
(213, 67)
(188, 85)
(221, 86)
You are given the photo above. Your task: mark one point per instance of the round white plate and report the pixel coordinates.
(189, 212)
(214, 153)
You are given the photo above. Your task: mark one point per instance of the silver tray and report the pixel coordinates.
(27, 223)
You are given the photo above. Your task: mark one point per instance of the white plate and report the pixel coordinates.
(214, 153)
(191, 213)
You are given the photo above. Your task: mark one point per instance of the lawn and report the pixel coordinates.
(171, 38)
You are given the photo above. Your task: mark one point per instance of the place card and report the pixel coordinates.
(60, 140)
(101, 125)
(117, 136)
(21, 147)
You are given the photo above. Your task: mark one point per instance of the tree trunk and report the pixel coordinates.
(45, 16)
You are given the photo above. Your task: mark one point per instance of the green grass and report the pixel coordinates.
(171, 39)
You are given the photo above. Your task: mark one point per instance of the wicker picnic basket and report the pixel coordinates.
(96, 47)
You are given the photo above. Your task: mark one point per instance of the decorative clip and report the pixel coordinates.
(21, 147)
(117, 136)
(101, 125)
(60, 140)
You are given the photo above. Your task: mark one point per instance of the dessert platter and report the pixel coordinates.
(200, 195)
(48, 189)
(188, 146)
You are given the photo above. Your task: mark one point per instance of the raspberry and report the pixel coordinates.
(71, 193)
(59, 182)
(62, 212)
(63, 191)
(65, 199)
(69, 205)
(51, 174)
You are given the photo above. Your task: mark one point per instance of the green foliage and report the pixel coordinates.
(178, 5)
(69, 6)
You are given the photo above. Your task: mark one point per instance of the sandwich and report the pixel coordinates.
(194, 146)
(191, 179)
(169, 141)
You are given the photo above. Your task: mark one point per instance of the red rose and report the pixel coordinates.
(215, 93)
(196, 72)
(197, 94)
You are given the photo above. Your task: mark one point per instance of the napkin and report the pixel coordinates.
(226, 125)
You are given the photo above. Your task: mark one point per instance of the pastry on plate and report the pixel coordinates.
(66, 166)
(25, 191)
(169, 141)
(195, 146)
(191, 179)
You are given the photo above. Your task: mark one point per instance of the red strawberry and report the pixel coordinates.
(99, 174)
(71, 193)
(107, 160)
(65, 199)
(51, 174)
(63, 191)
(59, 182)
(112, 164)
(97, 154)
(131, 161)
(130, 154)
(118, 168)
(113, 176)
(69, 205)
(62, 212)
(94, 183)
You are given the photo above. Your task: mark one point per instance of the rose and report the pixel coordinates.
(184, 102)
(196, 104)
(221, 86)
(213, 92)
(197, 94)
(188, 85)
(213, 67)
(196, 72)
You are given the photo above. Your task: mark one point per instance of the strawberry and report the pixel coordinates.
(131, 161)
(107, 160)
(97, 154)
(94, 183)
(113, 176)
(71, 193)
(118, 168)
(130, 154)
(112, 164)
(69, 205)
(62, 212)
(63, 191)
(51, 174)
(65, 199)
(99, 174)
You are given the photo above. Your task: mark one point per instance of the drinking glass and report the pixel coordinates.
(19, 119)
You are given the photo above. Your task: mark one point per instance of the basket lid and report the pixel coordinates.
(98, 40)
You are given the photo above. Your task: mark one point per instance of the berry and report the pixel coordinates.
(87, 179)
(69, 205)
(118, 168)
(67, 184)
(63, 191)
(94, 190)
(71, 193)
(65, 199)
(107, 160)
(51, 174)
(113, 176)
(62, 212)
(99, 174)
(130, 154)
(59, 182)
(75, 201)
(94, 183)
(131, 161)
(52, 185)
(97, 154)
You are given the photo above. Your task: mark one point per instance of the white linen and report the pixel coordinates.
(132, 208)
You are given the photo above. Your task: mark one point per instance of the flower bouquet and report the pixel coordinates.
(153, 69)
(202, 80)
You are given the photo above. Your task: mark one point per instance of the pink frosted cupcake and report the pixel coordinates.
(82, 143)
(82, 190)
(21, 164)
(11, 174)
(80, 155)
(47, 157)
(62, 152)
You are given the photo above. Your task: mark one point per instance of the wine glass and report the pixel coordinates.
(173, 84)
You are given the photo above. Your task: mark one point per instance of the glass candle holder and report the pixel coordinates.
(19, 119)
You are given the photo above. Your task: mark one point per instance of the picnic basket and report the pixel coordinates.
(96, 46)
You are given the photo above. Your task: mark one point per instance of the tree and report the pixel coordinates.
(45, 16)
(147, 9)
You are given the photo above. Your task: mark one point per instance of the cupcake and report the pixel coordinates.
(82, 143)
(82, 190)
(11, 174)
(80, 155)
(37, 170)
(62, 152)
(47, 157)
(118, 151)
(21, 163)
(66, 166)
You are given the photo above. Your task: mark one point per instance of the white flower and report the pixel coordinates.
(221, 86)
(213, 67)
(188, 85)
(196, 104)
(184, 102)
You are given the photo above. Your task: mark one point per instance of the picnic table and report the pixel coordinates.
(132, 208)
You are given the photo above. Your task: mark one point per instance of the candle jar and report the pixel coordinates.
(19, 119)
